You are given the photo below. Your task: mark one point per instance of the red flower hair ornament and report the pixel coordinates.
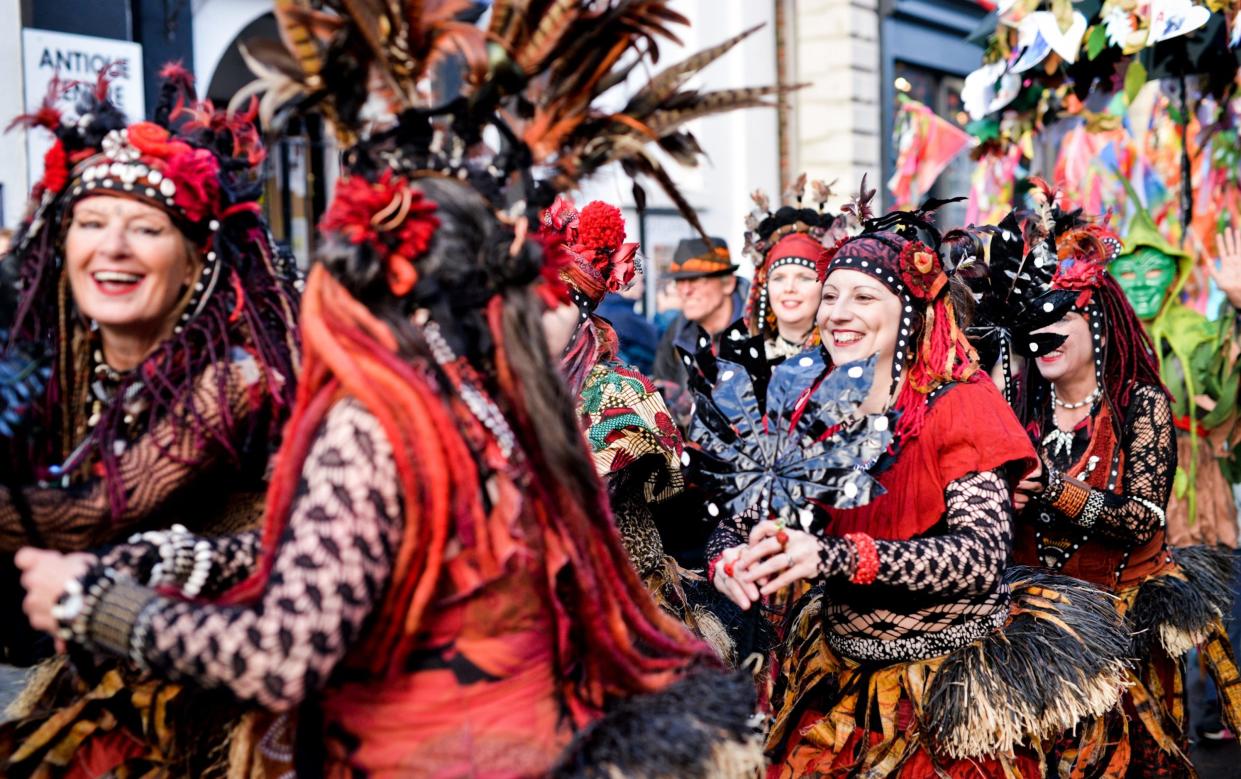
(1080, 275)
(922, 271)
(594, 239)
(55, 168)
(395, 219)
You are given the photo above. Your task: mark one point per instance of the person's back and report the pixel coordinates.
(477, 685)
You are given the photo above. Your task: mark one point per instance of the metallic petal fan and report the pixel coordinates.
(22, 379)
(781, 441)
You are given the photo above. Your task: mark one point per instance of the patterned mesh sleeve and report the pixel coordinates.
(1134, 516)
(966, 560)
(80, 517)
(232, 560)
(730, 532)
(329, 573)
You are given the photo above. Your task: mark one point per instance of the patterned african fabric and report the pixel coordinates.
(625, 421)
(637, 450)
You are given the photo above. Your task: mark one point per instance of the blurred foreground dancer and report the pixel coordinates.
(438, 589)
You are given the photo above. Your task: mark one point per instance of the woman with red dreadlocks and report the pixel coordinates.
(785, 247)
(440, 589)
(150, 283)
(913, 654)
(1102, 420)
(635, 445)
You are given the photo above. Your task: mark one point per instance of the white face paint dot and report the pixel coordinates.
(713, 509)
(850, 490)
(805, 362)
(855, 372)
(881, 424)
(1033, 347)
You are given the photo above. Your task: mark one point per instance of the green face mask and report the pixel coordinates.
(1145, 277)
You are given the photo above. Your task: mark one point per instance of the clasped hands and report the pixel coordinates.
(44, 574)
(775, 557)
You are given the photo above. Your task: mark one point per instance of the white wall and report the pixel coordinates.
(216, 24)
(742, 147)
(835, 51)
(12, 146)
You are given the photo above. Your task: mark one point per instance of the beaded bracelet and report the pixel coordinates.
(1071, 500)
(175, 548)
(75, 607)
(865, 558)
(203, 561)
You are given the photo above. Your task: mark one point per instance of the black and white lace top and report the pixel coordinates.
(943, 531)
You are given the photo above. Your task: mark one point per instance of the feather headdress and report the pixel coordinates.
(534, 75)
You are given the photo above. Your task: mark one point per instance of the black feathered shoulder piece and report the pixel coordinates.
(781, 441)
(1014, 295)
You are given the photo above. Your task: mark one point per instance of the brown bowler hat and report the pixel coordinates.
(695, 259)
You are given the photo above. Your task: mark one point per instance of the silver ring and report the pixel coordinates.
(790, 562)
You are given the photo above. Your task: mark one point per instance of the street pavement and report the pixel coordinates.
(10, 683)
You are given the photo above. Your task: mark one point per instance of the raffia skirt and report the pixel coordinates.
(991, 708)
(1169, 614)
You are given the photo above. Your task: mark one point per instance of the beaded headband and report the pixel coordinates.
(891, 280)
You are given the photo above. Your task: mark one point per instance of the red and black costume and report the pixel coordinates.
(1102, 517)
(438, 588)
(911, 655)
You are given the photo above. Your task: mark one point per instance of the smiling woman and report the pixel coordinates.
(166, 317)
(1102, 421)
(786, 246)
(910, 647)
(129, 269)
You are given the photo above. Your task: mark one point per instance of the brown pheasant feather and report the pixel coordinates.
(537, 73)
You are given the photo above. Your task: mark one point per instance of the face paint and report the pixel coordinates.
(1145, 276)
